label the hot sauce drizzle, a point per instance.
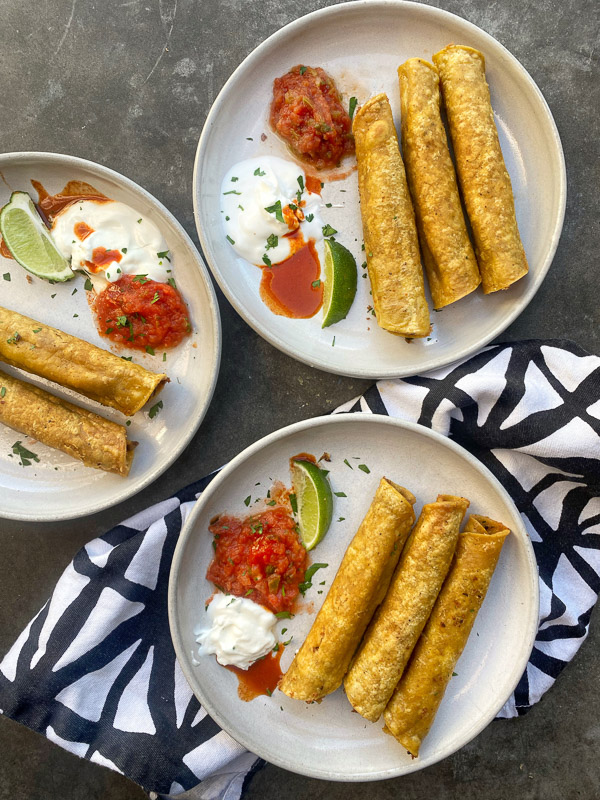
(261, 677)
(51, 204)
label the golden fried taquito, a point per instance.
(450, 262)
(390, 234)
(398, 622)
(484, 180)
(80, 433)
(78, 365)
(414, 704)
(359, 586)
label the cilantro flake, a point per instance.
(352, 106)
(24, 454)
(328, 230)
(259, 173)
(247, 500)
(364, 468)
(307, 583)
(155, 409)
(276, 209)
(6, 276)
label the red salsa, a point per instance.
(307, 112)
(141, 313)
(259, 557)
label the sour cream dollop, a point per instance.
(240, 631)
(250, 188)
(80, 229)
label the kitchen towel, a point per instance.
(95, 670)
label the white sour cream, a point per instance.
(240, 631)
(115, 226)
(252, 186)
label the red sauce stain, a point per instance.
(292, 288)
(4, 251)
(303, 457)
(51, 204)
(313, 184)
(101, 258)
(260, 678)
(82, 230)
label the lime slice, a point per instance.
(314, 499)
(29, 240)
(340, 282)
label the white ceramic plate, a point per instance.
(58, 487)
(361, 45)
(328, 740)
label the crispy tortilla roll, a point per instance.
(450, 262)
(80, 433)
(484, 181)
(390, 235)
(359, 586)
(95, 373)
(414, 704)
(398, 622)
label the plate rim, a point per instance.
(429, 363)
(187, 532)
(126, 493)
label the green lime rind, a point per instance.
(29, 242)
(315, 501)
(339, 289)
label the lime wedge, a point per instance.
(314, 499)
(340, 282)
(29, 240)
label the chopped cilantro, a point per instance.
(352, 106)
(124, 250)
(316, 284)
(266, 260)
(272, 241)
(340, 494)
(333, 343)
(126, 358)
(293, 502)
(310, 217)
(301, 182)
(88, 285)
(171, 282)
(307, 583)
(6, 276)
(284, 615)
(164, 254)
(150, 350)
(302, 70)
(155, 409)
(234, 178)
(348, 464)
(328, 205)
(139, 220)
(128, 423)
(121, 322)
(328, 230)
(232, 191)
(141, 279)
(155, 299)
(364, 468)
(276, 209)
(36, 330)
(164, 356)
(269, 691)
(14, 338)
(24, 454)
(3, 391)
(259, 173)
(247, 500)
(230, 240)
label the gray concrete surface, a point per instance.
(129, 84)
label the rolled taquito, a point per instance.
(450, 262)
(398, 622)
(78, 365)
(414, 704)
(484, 180)
(388, 220)
(358, 587)
(80, 433)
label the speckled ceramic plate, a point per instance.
(361, 45)
(327, 740)
(58, 487)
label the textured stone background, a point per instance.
(129, 84)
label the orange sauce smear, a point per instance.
(287, 288)
(51, 204)
(261, 678)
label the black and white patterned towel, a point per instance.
(95, 670)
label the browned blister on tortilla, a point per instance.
(75, 364)
(484, 180)
(359, 586)
(414, 704)
(390, 234)
(398, 622)
(80, 433)
(450, 262)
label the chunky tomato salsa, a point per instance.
(259, 557)
(142, 314)
(307, 112)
